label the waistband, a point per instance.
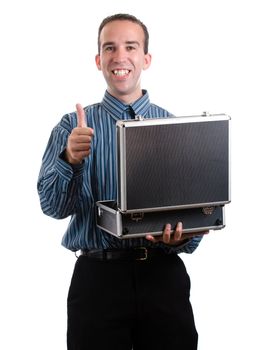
(138, 253)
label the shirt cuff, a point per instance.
(67, 170)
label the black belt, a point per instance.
(139, 253)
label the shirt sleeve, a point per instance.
(59, 184)
(188, 246)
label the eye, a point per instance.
(130, 48)
(109, 48)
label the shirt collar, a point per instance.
(116, 107)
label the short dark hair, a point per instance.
(124, 17)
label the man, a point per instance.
(120, 298)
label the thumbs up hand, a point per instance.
(79, 141)
(80, 116)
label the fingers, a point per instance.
(165, 237)
(167, 233)
(178, 231)
(174, 237)
(151, 238)
(168, 237)
(79, 141)
(81, 117)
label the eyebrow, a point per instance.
(128, 42)
(133, 42)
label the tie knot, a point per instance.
(128, 113)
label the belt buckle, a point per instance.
(145, 253)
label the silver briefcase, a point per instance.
(168, 167)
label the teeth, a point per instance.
(121, 72)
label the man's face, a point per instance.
(122, 59)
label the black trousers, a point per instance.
(122, 305)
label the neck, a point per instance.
(127, 98)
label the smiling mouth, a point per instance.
(120, 72)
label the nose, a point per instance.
(120, 54)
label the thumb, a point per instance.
(80, 115)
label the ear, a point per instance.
(147, 61)
(97, 61)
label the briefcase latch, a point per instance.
(139, 117)
(137, 216)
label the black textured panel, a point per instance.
(177, 164)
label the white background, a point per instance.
(203, 59)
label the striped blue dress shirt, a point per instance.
(66, 190)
